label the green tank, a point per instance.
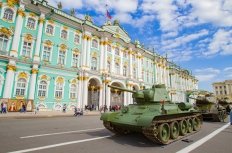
(207, 104)
(154, 115)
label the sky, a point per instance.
(195, 34)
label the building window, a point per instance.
(117, 68)
(142, 74)
(94, 63)
(76, 39)
(61, 59)
(75, 60)
(116, 51)
(31, 23)
(27, 47)
(3, 43)
(108, 48)
(46, 53)
(124, 54)
(42, 89)
(134, 72)
(8, 15)
(133, 57)
(124, 71)
(108, 66)
(147, 76)
(59, 90)
(94, 43)
(50, 29)
(21, 87)
(64, 34)
(73, 91)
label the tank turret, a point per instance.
(208, 105)
(154, 115)
(156, 94)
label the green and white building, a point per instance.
(54, 58)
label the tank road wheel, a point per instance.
(164, 133)
(190, 125)
(196, 124)
(183, 127)
(174, 130)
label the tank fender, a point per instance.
(144, 121)
(107, 116)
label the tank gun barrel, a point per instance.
(122, 89)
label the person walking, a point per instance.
(64, 108)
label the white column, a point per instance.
(113, 61)
(102, 55)
(121, 64)
(85, 90)
(9, 81)
(79, 102)
(105, 55)
(130, 64)
(108, 97)
(17, 32)
(38, 39)
(83, 52)
(88, 54)
(100, 97)
(139, 68)
(33, 83)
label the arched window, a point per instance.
(117, 68)
(124, 71)
(59, 90)
(64, 34)
(73, 91)
(27, 48)
(134, 73)
(75, 60)
(42, 89)
(108, 48)
(31, 23)
(61, 58)
(124, 54)
(116, 51)
(8, 14)
(50, 29)
(47, 53)
(94, 43)
(147, 76)
(77, 38)
(21, 87)
(108, 66)
(94, 63)
(3, 43)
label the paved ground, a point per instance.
(44, 114)
(86, 134)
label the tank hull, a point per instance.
(150, 119)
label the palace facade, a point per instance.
(49, 58)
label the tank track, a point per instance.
(152, 131)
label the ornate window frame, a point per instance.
(8, 41)
(53, 29)
(95, 42)
(35, 22)
(47, 43)
(62, 48)
(61, 82)
(75, 54)
(13, 9)
(28, 38)
(47, 79)
(94, 63)
(21, 75)
(62, 34)
(73, 82)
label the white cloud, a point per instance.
(218, 12)
(207, 74)
(67, 4)
(180, 41)
(165, 11)
(221, 43)
(228, 72)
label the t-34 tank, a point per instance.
(155, 116)
(209, 107)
